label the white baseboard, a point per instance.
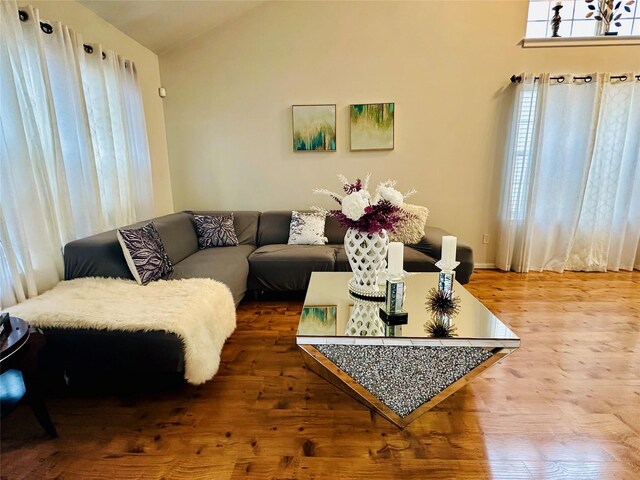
(483, 266)
(492, 266)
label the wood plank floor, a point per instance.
(566, 405)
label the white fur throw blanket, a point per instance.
(200, 311)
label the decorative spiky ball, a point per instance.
(440, 327)
(442, 303)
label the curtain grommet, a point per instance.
(46, 28)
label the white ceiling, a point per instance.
(160, 25)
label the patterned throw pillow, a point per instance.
(307, 229)
(215, 231)
(411, 229)
(144, 253)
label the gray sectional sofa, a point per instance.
(261, 262)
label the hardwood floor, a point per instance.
(566, 405)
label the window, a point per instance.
(74, 158)
(524, 130)
(571, 191)
(574, 21)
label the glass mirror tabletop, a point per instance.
(330, 315)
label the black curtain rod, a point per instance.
(560, 79)
(48, 29)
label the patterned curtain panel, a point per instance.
(571, 192)
(74, 158)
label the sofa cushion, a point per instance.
(178, 235)
(215, 231)
(411, 229)
(307, 228)
(334, 231)
(245, 223)
(414, 261)
(288, 267)
(144, 253)
(228, 265)
(274, 227)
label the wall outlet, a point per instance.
(485, 238)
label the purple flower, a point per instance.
(364, 214)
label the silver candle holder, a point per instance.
(395, 292)
(447, 275)
(392, 313)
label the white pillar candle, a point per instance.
(395, 257)
(449, 249)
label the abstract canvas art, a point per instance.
(314, 127)
(372, 126)
(318, 320)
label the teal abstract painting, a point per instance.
(314, 128)
(372, 126)
(318, 320)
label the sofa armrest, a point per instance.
(96, 256)
(431, 244)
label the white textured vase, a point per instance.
(367, 254)
(364, 320)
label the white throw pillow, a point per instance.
(411, 230)
(307, 229)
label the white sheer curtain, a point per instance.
(74, 158)
(571, 196)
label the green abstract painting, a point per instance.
(318, 320)
(314, 127)
(372, 126)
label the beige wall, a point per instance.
(96, 30)
(446, 66)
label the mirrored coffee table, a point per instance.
(398, 371)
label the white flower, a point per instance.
(354, 204)
(391, 195)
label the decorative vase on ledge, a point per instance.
(367, 253)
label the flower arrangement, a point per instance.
(362, 211)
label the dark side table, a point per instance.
(20, 352)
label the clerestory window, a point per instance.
(583, 18)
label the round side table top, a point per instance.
(17, 338)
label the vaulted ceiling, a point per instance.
(160, 25)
